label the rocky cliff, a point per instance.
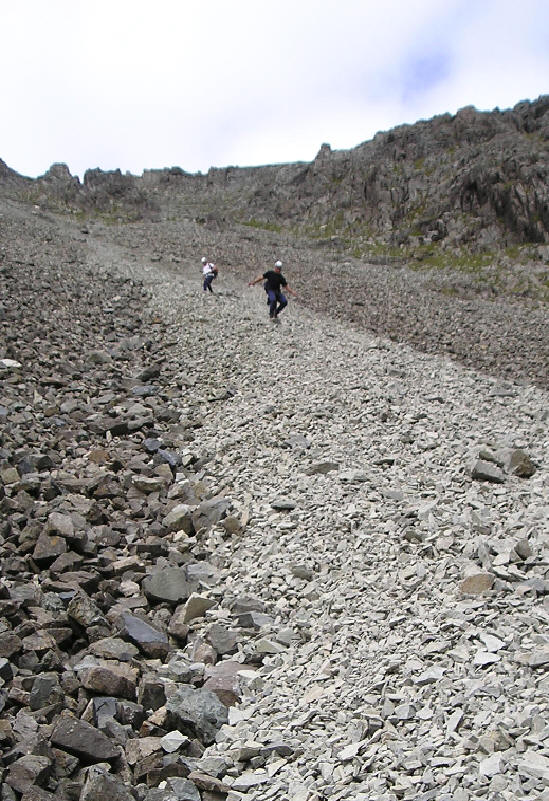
(475, 179)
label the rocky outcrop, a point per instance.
(115, 193)
(474, 179)
(108, 193)
(11, 182)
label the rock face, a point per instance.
(474, 179)
(259, 561)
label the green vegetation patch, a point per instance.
(263, 225)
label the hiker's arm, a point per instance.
(291, 291)
(256, 280)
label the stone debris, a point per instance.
(228, 575)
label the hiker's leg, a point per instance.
(272, 302)
(282, 303)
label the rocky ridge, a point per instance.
(249, 561)
(473, 181)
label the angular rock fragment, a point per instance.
(85, 612)
(180, 518)
(28, 771)
(110, 678)
(223, 680)
(48, 548)
(210, 512)
(170, 584)
(80, 738)
(196, 606)
(181, 790)
(149, 640)
(196, 713)
(100, 786)
(486, 471)
(520, 464)
(208, 783)
(477, 584)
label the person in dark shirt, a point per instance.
(273, 283)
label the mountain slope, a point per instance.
(475, 179)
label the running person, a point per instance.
(274, 281)
(209, 271)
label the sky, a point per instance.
(141, 85)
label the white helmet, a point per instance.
(204, 259)
(278, 264)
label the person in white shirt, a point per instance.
(209, 271)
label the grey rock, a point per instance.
(321, 468)
(223, 639)
(209, 784)
(173, 741)
(104, 709)
(149, 640)
(180, 518)
(48, 548)
(283, 505)
(177, 627)
(6, 670)
(485, 471)
(196, 606)
(148, 484)
(130, 714)
(45, 691)
(100, 785)
(196, 712)
(184, 789)
(85, 612)
(152, 692)
(36, 793)
(254, 620)
(61, 524)
(170, 584)
(166, 794)
(302, 571)
(519, 464)
(114, 648)
(80, 738)
(110, 678)
(247, 603)
(210, 512)
(10, 644)
(297, 441)
(27, 771)
(249, 781)
(222, 679)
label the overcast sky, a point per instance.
(138, 85)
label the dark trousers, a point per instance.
(276, 301)
(208, 282)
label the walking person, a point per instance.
(274, 281)
(209, 271)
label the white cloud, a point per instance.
(178, 82)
